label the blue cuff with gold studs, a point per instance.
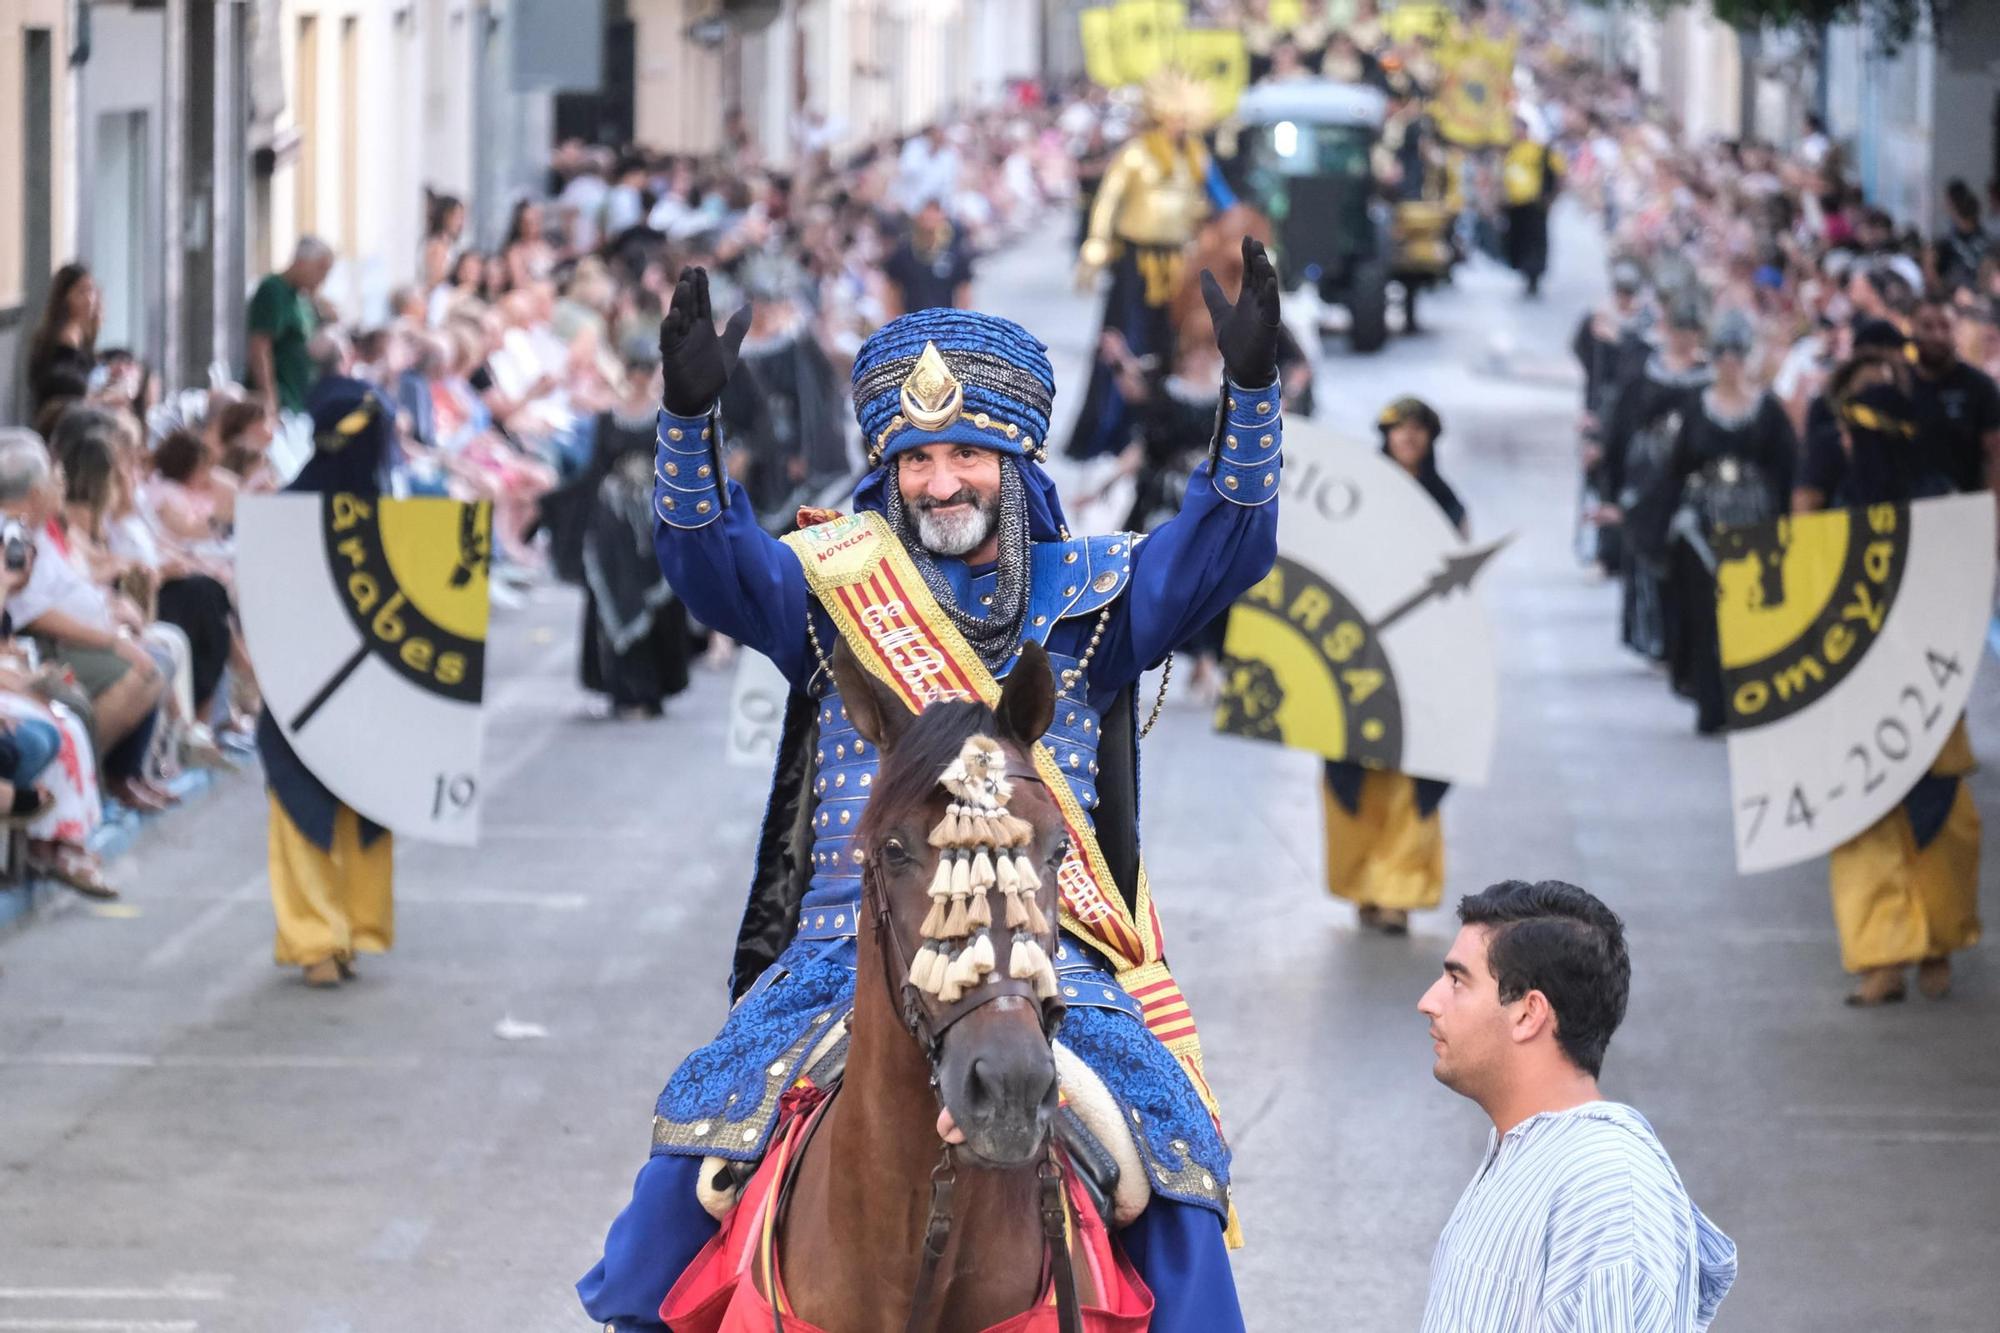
(687, 471)
(1249, 446)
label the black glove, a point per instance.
(1247, 332)
(695, 360)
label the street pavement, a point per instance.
(190, 1140)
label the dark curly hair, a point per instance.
(1556, 938)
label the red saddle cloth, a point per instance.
(719, 1291)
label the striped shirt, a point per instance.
(1577, 1222)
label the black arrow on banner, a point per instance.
(1458, 572)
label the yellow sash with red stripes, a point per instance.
(867, 582)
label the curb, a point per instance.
(24, 901)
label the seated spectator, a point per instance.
(27, 744)
(185, 495)
(408, 307)
(70, 807)
(487, 463)
(50, 412)
(109, 533)
(466, 282)
(89, 447)
(526, 256)
(80, 626)
(239, 433)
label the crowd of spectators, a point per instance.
(121, 662)
(522, 374)
(1756, 297)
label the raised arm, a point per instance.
(1226, 536)
(732, 575)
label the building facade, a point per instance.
(181, 147)
(1920, 116)
(873, 69)
(37, 185)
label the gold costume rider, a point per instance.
(1157, 192)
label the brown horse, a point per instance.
(863, 1198)
(1218, 248)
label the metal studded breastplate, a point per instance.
(1071, 579)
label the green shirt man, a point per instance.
(282, 321)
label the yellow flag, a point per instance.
(1217, 58)
(1100, 49)
(1474, 105)
(1418, 20)
(1143, 33)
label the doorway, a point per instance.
(123, 169)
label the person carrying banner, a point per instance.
(1905, 890)
(332, 871)
(956, 556)
(1530, 175)
(1384, 836)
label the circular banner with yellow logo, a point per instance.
(1849, 639)
(1363, 643)
(366, 621)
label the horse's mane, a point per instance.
(931, 742)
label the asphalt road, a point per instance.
(191, 1140)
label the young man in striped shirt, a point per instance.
(1577, 1221)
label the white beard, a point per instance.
(956, 534)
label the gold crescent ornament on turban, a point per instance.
(931, 395)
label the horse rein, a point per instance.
(928, 1021)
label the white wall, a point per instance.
(118, 235)
(16, 15)
(1968, 84)
(1691, 63)
(415, 116)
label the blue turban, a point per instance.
(999, 393)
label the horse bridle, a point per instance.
(928, 1020)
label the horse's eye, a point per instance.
(894, 853)
(1058, 852)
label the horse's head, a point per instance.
(961, 844)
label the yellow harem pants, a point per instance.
(330, 904)
(1895, 903)
(1385, 854)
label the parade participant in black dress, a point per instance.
(1644, 424)
(1731, 466)
(635, 631)
(784, 402)
(1612, 347)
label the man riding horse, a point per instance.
(955, 559)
